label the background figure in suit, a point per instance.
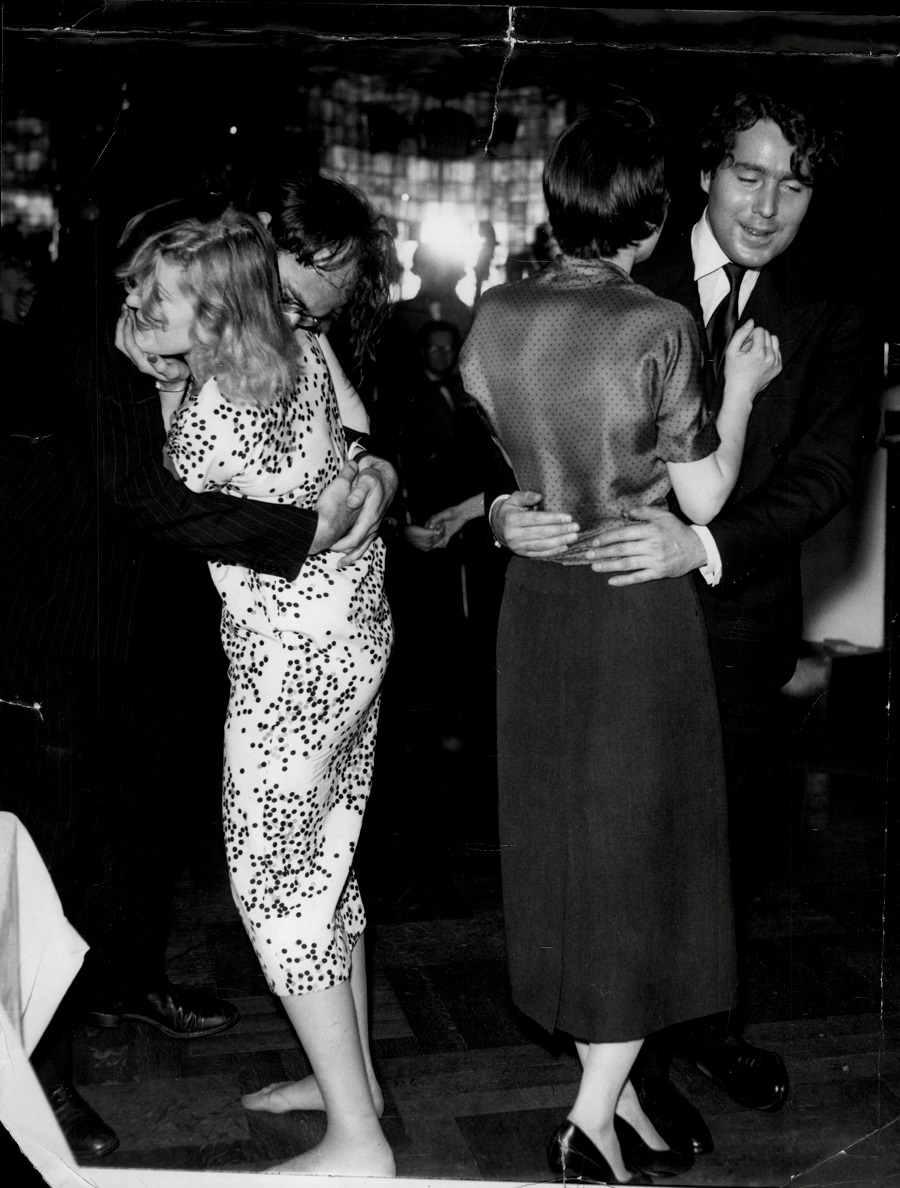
(440, 442)
(88, 739)
(443, 582)
(439, 273)
(761, 159)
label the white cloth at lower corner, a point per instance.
(40, 951)
(40, 954)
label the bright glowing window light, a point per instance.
(446, 232)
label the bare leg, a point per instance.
(629, 1107)
(354, 1144)
(284, 1096)
(360, 990)
(604, 1071)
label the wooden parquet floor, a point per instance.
(473, 1089)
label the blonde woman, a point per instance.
(260, 420)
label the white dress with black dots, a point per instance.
(306, 661)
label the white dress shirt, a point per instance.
(709, 271)
(712, 288)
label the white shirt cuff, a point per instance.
(712, 570)
(499, 499)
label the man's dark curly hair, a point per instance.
(816, 149)
(312, 213)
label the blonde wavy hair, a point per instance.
(230, 274)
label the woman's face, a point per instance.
(174, 316)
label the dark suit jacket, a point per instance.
(804, 440)
(440, 453)
(90, 511)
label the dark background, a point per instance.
(189, 70)
(136, 98)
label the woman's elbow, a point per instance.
(700, 511)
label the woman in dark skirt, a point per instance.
(612, 802)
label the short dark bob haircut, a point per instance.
(816, 148)
(604, 181)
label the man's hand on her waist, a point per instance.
(528, 532)
(654, 544)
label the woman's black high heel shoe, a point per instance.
(639, 1157)
(576, 1158)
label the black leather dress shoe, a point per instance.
(752, 1077)
(573, 1156)
(678, 1122)
(175, 1010)
(643, 1159)
(86, 1132)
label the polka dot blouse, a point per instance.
(591, 384)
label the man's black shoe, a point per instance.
(175, 1010)
(753, 1077)
(646, 1160)
(86, 1132)
(678, 1122)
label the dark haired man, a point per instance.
(328, 234)
(762, 159)
(335, 255)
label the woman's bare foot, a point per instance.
(345, 1155)
(629, 1107)
(284, 1096)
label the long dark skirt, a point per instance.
(613, 819)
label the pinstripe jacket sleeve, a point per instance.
(147, 498)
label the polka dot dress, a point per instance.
(306, 660)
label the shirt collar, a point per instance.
(589, 265)
(707, 254)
